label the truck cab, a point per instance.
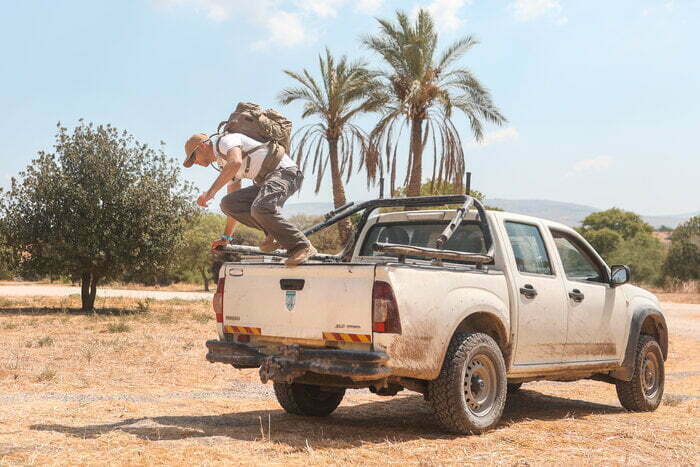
(460, 303)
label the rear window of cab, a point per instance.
(467, 238)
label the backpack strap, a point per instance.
(275, 153)
(271, 162)
(246, 156)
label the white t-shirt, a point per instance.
(246, 143)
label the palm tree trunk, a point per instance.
(416, 168)
(339, 199)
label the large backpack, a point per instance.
(269, 127)
(262, 125)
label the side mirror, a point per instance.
(620, 274)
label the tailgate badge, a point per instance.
(290, 299)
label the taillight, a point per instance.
(218, 300)
(385, 311)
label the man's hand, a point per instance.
(203, 200)
(218, 242)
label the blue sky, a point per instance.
(602, 98)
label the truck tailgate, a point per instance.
(299, 303)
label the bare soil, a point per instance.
(129, 385)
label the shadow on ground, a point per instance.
(397, 419)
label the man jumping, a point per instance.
(257, 206)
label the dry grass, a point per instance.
(147, 396)
(681, 292)
(176, 287)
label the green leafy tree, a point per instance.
(344, 91)
(604, 240)
(196, 258)
(327, 240)
(644, 254)
(683, 259)
(423, 89)
(625, 223)
(195, 252)
(5, 272)
(100, 205)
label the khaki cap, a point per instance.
(190, 147)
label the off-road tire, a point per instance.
(633, 394)
(306, 399)
(446, 394)
(514, 387)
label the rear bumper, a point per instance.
(294, 361)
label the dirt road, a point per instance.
(135, 389)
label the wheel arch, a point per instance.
(489, 322)
(645, 320)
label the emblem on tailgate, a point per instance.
(290, 299)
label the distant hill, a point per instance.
(572, 214)
(566, 213)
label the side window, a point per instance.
(528, 247)
(579, 265)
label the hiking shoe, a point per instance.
(269, 244)
(301, 255)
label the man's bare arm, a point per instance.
(234, 158)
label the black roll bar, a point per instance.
(368, 207)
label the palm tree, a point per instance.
(346, 90)
(423, 92)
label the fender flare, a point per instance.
(639, 316)
(492, 313)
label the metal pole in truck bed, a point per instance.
(253, 250)
(368, 207)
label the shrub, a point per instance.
(644, 254)
(45, 341)
(118, 327)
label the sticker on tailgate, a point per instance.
(290, 299)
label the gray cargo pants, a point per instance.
(258, 206)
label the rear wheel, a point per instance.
(307, 399)
(470, 393)
(644, 391)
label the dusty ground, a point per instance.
(33, 289)
(174, 287)
(134, 388)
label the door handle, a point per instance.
(576, 295)
(528, 290)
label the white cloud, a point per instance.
(330, 8)
(369, 7)
(530, 10)
(446, 13)
(498, 136)
(284, 23)
(322, 8)
(284, 28)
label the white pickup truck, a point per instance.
(462, 305)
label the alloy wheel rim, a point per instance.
(480, 385)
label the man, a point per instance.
(258, 205)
